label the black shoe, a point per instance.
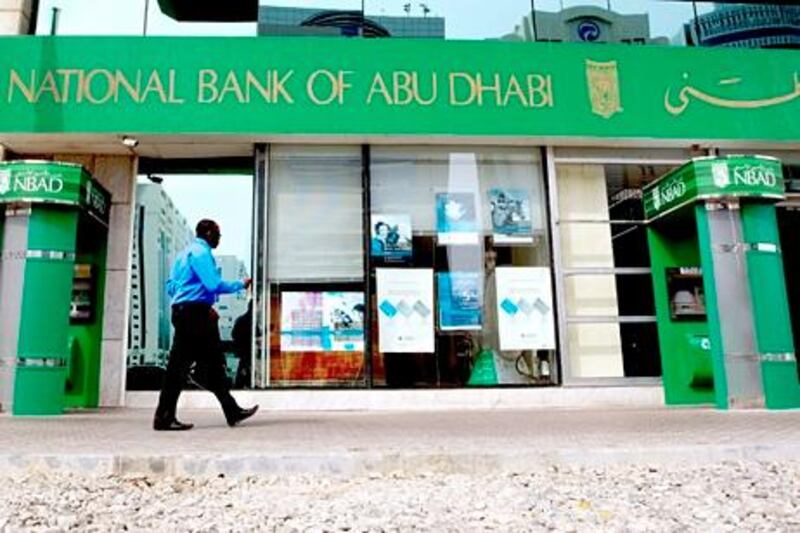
(241, 414)
(171, 424)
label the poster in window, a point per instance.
(460, 300)
(301, 321)
(322, 321)
(405, 310)
(525, 308)
(511, 216)
(456, 218)
(343, 327)
(391, 237)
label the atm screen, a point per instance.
(685, 290)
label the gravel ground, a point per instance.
(723, 497)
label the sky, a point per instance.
(226, 198)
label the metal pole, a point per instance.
(34, 17)
(146, 10)
(696, 24)
(533, 20)
(54, 21)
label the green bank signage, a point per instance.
(704, 178)
(52, 182)
(327, 86)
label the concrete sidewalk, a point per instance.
(122, 441)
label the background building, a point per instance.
(230, 306)
(585, 24)
(293, 21)
(160, 233)
(748, 26)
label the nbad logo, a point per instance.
(755, 175)
(670, 192)
(722, 178)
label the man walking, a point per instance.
(194, 286)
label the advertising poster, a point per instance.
(322, 322)
(343, 325)
(391, 237)
(405, 310)
(511, 216)
(525, 308)
(456, 218)
(301, 322)
(460, 300)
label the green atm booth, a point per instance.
(723, 316)
(53, 237)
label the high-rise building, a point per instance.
(160, 233)
(746, 26)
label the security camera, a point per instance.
(130, 142)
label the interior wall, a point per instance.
(595, 350)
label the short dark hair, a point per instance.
(204, 227)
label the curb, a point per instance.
(388, 463)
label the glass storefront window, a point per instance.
(610, 312)
(460, 262)
(316, 267)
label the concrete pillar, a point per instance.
(15, 17)
(118, 175)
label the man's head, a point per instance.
(208, 230)
(382, 229)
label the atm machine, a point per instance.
(723, 317)
(53, 238)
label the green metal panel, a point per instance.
(48, 283)
(41, 352)
(417, 87)
(39, 390)
(771, 307)
(714, 177)
(53, 183)
(684, 362)
(83, 379)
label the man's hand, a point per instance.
(247, 283)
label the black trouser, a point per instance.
(196, 340)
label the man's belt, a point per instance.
(186, 306)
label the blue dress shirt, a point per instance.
(195, 277)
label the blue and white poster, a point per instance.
(525, 308)
(405, 310)
(456, 218)
(322, 322)
(511, 216)
(391, 237)
(460, 300)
